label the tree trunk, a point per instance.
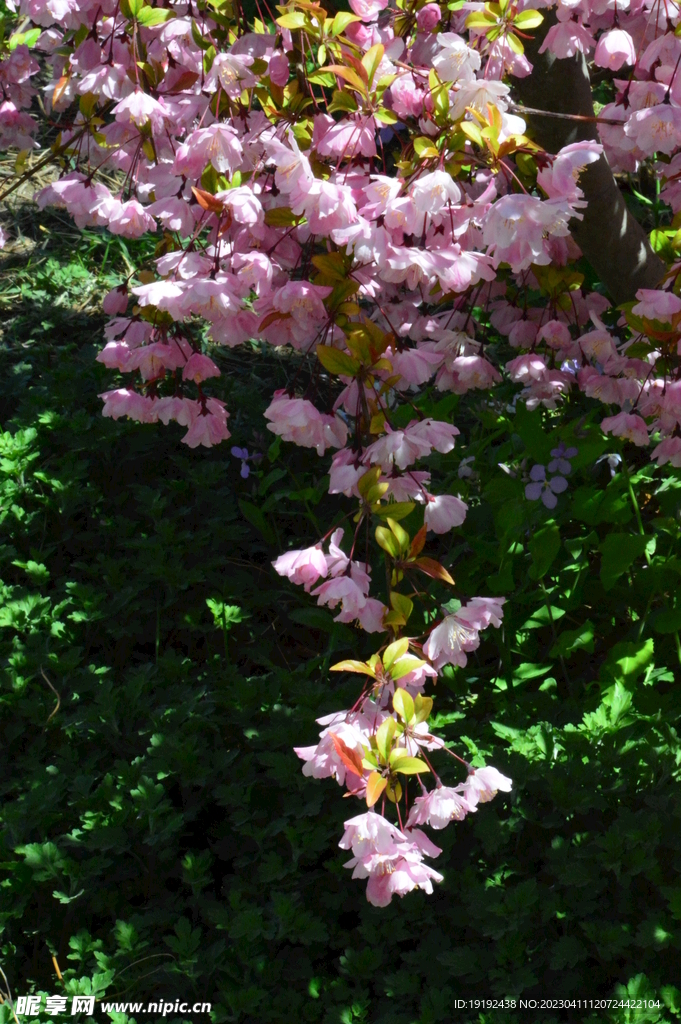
(610, 237)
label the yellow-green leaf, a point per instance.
(353, 666)
(408, 765)
(376, 783)
(335, 361)
(403, 704)
(405, 665)
(384, 737)
(395, 650)
(371, 60)
(422, 707)
(296, 19)
(386, 540)
(396, 509)
(341, 22)
(528, 19)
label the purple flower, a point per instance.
(242, 453)
(560, 462)
(543, 488)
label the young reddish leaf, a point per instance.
(418, 542)
(350, 76)
(272, 318)
(433, 569)
(206, 201)
(350, 758)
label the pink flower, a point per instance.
(458, 634)
(130, 219)
(668, 450)
(199, 367)
(367, 9)
(443, 512)
(628, 425)
(614, 49)
(465, 372)
(209, 427)
(526, 368)
(305, 304)
(323, 761)
(428, 17)
(395, 876)
(139, 108)
(125, 402)
(440, 806)
(343, 590)
(304, 566)
(370, 833)
(391, 860)
(449, 642)
(217, 145)
(483, 784)
(655, 129)
(431, 193)
(297, 420)
(116, 301)
(481, 612)
(559, 180)
(654, 304)
(555, 333)
(349, 138)
(279, 69)
(370, 617)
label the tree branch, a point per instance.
(610, 237)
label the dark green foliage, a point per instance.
(158, 836)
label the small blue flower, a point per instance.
(561, 456)
(543, 488)
(242, 453)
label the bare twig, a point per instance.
(517, 109)
(56, 709)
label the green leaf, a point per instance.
(668, 620)
(386, 539)
(294, 20)
(403, 704)
(341, 22)
(400, 761)
(150, 16)
(626, 661)
(527, 20)
(335, 361)
(395, 650)
(544, 546)
(384, 737)
(256, 518)
(572, 640)
(395, 509)
(405, 665)
(619, 551)
(28, 39)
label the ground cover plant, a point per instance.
(351, 231)
(158, 837)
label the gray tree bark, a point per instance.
(611, 239)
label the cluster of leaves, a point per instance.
(158, 838)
